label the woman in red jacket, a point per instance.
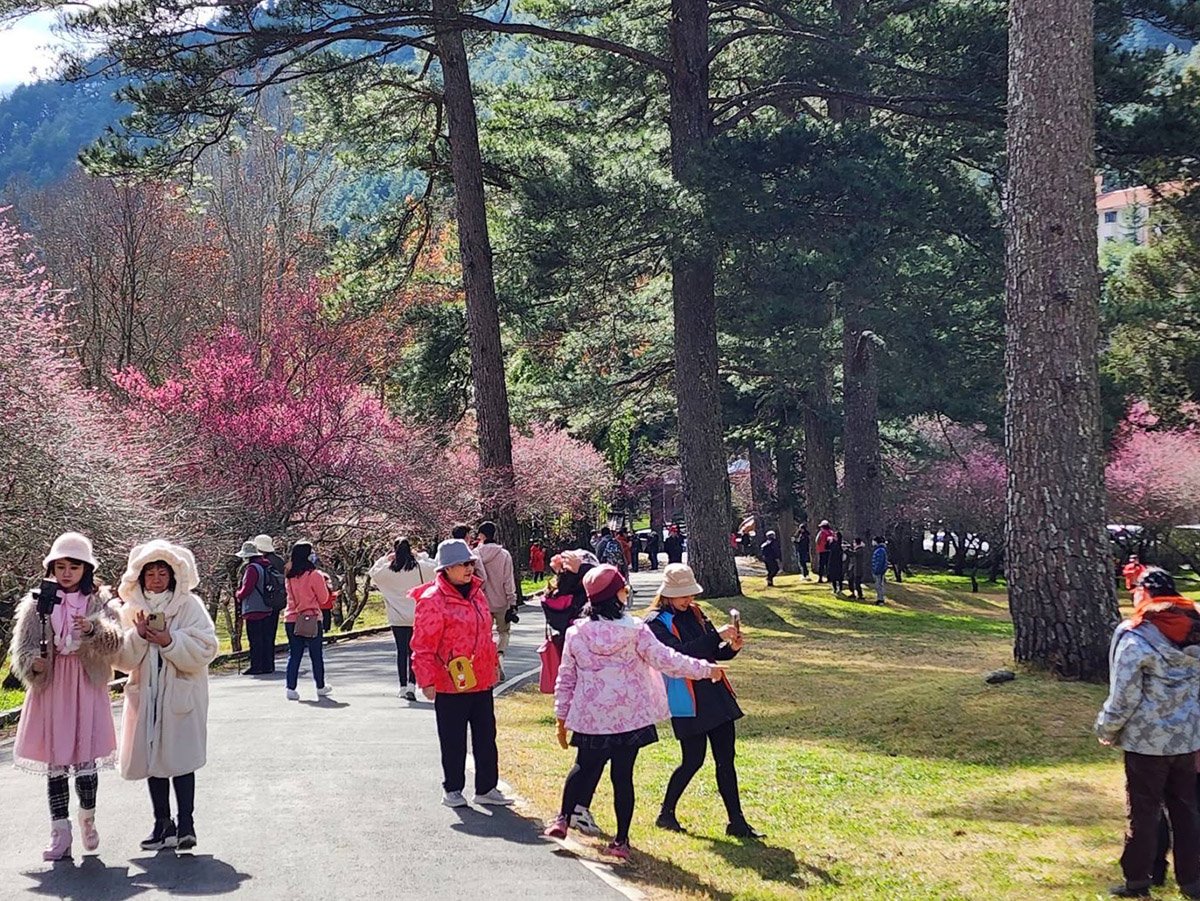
(455, 661)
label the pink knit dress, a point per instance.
(67, 724)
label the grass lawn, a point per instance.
(877, 760)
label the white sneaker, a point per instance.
(325, 692)
(454, 799)
(581, 821)
(293, 695)
(494, 798)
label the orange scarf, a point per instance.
(1176, 617)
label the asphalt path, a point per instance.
(332, 799)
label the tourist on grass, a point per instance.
(306, 592)
(835, 566)
(772, 557)
(455, 661)
(64, 658)
(500, 586)
(702, 712)
(396, 574)
(803, 544)
(825, 534)
(1153, 714)
(169, 641)
(857, 564)
(879, 567)
(537, 561)
(609, 696)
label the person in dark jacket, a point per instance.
(702, 713)
(837, 566)
(652, 548)
(674, 545)
(857, 564)
(803, 543)
(256, 614)
(772, 557)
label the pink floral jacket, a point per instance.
(609, 682)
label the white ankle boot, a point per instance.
(87, 828)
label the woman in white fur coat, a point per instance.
(169, 641)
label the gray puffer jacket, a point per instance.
(1153, 704)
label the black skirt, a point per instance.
(636, 738)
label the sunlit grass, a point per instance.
(877, 760)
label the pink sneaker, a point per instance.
(557, 829)
(619, 850)
(60, 841)
(87, 825)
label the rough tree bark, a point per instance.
(860, 399)
(760, 493)
(1061, 592)
(820, 470)
(785, 501)
(693, 276)
(479, 285)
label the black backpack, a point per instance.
(273, 593)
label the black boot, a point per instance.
(187, 834)
(1127, 891)
(666, 820)
(743, 830)
(163, 836)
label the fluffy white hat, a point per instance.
(72, 545)
(179, 558)
(264, 543)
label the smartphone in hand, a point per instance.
(157, 621)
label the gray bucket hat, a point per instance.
(451, 553)
(249, 549)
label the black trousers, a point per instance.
(585, 776)
(261, 636)
(403, 636)
(802, 563)
(1150, 784)
(772, 571)
(326, 620)
(856, 585)
(1164, 839)
(723, 741)
(822, 565)
(185, 796)
(454, 712)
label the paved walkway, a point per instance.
(330, 800)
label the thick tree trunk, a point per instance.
(785, 502)
(820, 469)
(760, 494)
(860, 400)
(474, 244)
(693, 275)
(1060, 587)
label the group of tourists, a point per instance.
(1153, 714)
(68, 638)
(844, 566)
(451, 617)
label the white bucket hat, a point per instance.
(72, 545)
(679, 582)
(264, 543)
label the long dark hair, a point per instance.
(301, 561)
(87, 584)
(403, 559)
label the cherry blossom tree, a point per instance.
(65, 461)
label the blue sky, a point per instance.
(26, 48)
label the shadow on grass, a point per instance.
(1067, 802)
(773, 864)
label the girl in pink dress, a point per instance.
(65, 660)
